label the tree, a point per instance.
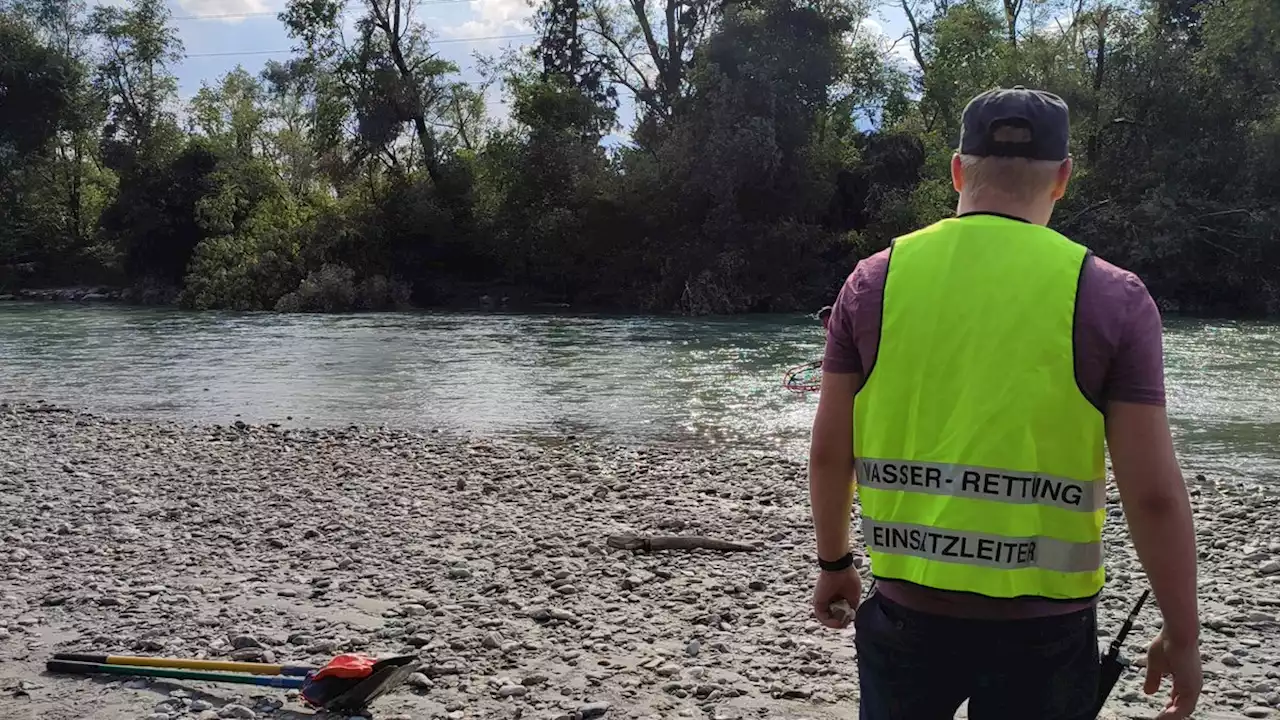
(134, 75)
(232, 114)
(648, 49)
(37, 87)
(775, 143)
(388, 73)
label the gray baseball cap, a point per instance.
(1016, 122)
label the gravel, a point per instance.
(486, 558)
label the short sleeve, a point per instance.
(841, 354)
(854, 331)
(1136, 373)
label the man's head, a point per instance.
(825, 316)
(1013, 154)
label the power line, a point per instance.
(274, 14)
(289, 50)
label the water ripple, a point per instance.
(624, 379)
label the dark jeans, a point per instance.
(916, 666)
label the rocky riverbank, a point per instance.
(141, 295)
(488, 559)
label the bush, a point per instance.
(379, 293)
(237, 273)
(329, 289)
(333, 288)
(219, 275)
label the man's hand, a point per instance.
(1183, 663)
(834, 587)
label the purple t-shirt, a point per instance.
(1119, 356)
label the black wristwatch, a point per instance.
(843, 563)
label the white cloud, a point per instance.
(895, 47)
(231, 11)
(493, 17)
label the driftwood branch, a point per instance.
(676, 542)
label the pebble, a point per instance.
(1257, 712)
(1230, 660)
(495, 581)
(1270, 567)
(236, 711)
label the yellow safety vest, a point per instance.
(979, 460)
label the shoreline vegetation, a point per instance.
(477, 299)
(679, 156)
(492, 560)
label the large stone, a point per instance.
(245, 641)
(235, 711)
(594, 710)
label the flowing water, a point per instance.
(624, 379)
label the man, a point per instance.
(973, 370)
(824, 315)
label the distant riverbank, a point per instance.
(487, 558)
(68, 294)
(451, 297)
(482, 297)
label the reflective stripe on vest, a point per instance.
(977, 482)
(980, 463)
(971, 548)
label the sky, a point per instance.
(218, 35)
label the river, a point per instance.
(623, 379)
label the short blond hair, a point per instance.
(1014, 178)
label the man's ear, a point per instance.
(1064, 177)
(957, 172)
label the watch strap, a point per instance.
(843, 563)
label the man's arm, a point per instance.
(831, 463)
(1158, 510)
(1155, 499)
(831, 496)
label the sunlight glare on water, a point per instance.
(622, 379)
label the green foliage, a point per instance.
(37, 86)
(332, 288)
(775, 143)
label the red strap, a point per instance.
(347, 666)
